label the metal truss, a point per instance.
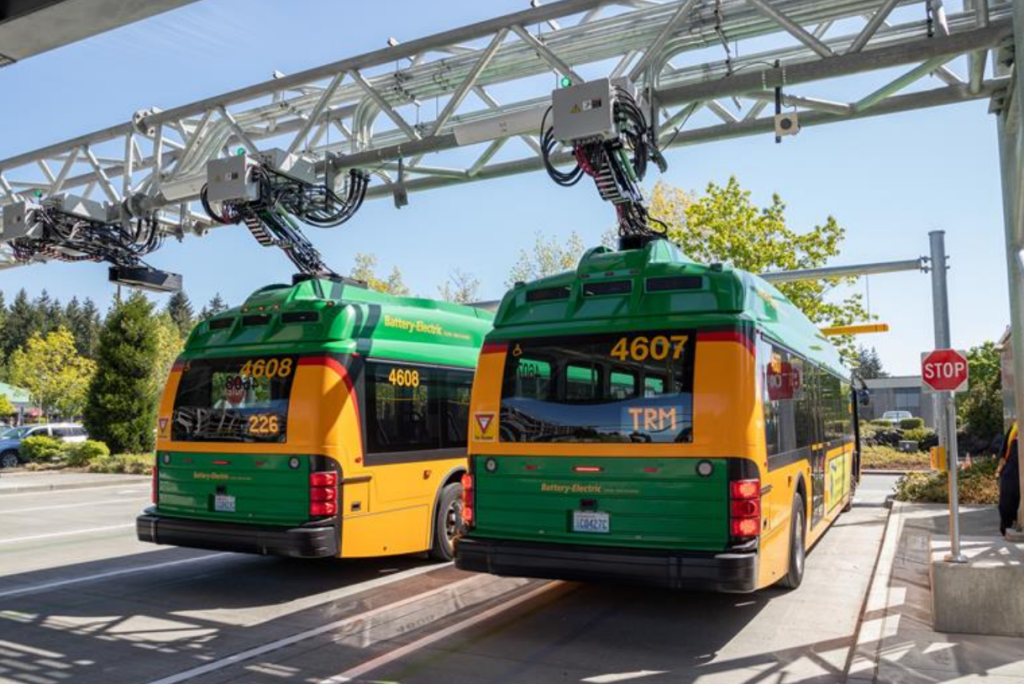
(386, 110)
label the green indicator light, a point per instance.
(240, 151)
(566, 81)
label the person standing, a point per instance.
(1008, 473)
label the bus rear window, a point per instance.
(240, 399)
(626, 388)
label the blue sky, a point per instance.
(888, 181)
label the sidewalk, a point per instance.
(896, 643)
(22, 482)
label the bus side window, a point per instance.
(623, 386)
(654, 386)
(582, 383)
(457, 389)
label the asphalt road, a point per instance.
(81, 601)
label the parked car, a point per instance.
(10, 439)
(894, 417)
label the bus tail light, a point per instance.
(468, 500)
(745, 508)
(323, 494)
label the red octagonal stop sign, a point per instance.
(944, 370)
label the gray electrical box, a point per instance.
(292, 165)
(231, 180)
(18, 221)
(584, 112)
(79, 207)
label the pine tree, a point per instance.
(869, 364)
(23, 321)
(215, 307)
(122, 399)
(83, 320)
(179, 308)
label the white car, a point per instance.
(894, 417)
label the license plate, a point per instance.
(591, 522)
(222, 503)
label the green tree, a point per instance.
(169, 346)
(724, 225)
(980, 409)
(215, 307)
(461, 287)
(179, 308)
(85, 323)
(23, 321)
(548, 257)
(6, 407)
(122, 398)
(53, 372)
(50, 312)
(869, 364)
(365, 269)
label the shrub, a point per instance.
(79, 454)
(912, 424)
(131, 464)
(918, 434)
(977, 485)
(884, 424)
(887, 458)
(40, 448)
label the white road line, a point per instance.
(68, 490)
(380, 661)
(39, 588)
(322, 629)
(75, 505)
(69, 533)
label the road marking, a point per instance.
(67, 534)
(251, 653)
(380, 661)
(66, 490)
(75, 505)
(38, 588)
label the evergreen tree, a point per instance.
(83, 320)
(122, 398)
(869, 364)
(51, 313)
(23, 321)
(179, 308)
(215, 307)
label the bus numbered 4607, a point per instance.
(648, 419)
(318, 419)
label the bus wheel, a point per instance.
(849, 502)
(797, 548)
(447, 523)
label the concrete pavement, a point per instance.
(90, 604)
(23, 482)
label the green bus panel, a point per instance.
(261, 488)
(652, 503)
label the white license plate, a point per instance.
(222, 503)
(591, 522)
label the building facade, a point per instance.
(899, 393)
(22, 401)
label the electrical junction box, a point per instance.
(231, 180)
(79, 207)
(584, 112)
(298, 167)
(18, 221)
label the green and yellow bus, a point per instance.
(318, 419)
(645, 418)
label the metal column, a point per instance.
(945, 402)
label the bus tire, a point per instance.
(447, 523)
(849, 500)
(797, 545)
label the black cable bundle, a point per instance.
(121, 245)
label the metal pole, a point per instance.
(945, 407)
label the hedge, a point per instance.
(912, 424)
(40, 449)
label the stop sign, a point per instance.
(944, 370)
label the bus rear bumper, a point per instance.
(295, 542)
(725, 572)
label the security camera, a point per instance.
(787, 124)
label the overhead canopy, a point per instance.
(29, 27)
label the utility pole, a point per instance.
(945, 402)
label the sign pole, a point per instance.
(953, 466)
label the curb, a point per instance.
(865, 471)
(871, 635)
(58, 486)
